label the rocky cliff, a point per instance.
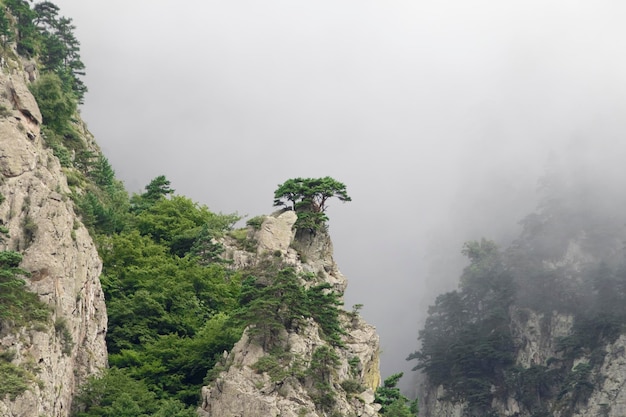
(561, 348)
(58, 253)
(537, 335)
(246, 389)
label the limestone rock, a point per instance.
(241, 391)
(276, 232)
(61, 256)
(610, 398)
(21, 99)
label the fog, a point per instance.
(439, 116)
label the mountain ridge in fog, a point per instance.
(536, 327)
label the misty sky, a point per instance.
(439, 116)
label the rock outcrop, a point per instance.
(241, 390)
(537, 335)
(60, 256)
(555, 373)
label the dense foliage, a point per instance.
(175, 306)
(308, 198)
(117, 395)
(279, 302)
(393, 403)
(169, 314)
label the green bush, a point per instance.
(18, 306)
(323, 305)
(57, 106)
(273, 366)
(29, 227)
(393, 403)
(67, 343)
(115, 394)
(323, 396)
(352, 386)
(355, 366)
(5, 111)
(55, 142)
(255, 222)
(13, 380)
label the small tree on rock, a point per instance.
(308, 198)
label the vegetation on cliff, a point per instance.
(308, 198)
(393, 403)
(568, 260)
(18, 308)
(174, 305)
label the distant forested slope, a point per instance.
(567, 262)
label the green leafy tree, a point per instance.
(324, 362)
(204, 248)
(176, 365)
(26, 30)
(115, 394)
(46, 14)
(323, 305)
(308, 197)
(271, 307)
(156, 190)
(179, 223)
(60, 50)
(104, 211)
(6, 31)
(393, 403)
(18, 305)
(102, 172)
(72, 67)
(57, 106)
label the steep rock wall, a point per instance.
(57, 251)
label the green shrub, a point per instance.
(355, 366)
(13, 380)
(323, 306)
(393, 403)
(4, 111)
(323, 396)
(67, 343)
(352, 386)
(57, 106)
(74, 178)
(29, 227)
(271, 364)
(255, 222)
(55, 142)
(18, 306)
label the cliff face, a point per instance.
(59, 254)
(537, 334)
(555, 372)
(244, 390)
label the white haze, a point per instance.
(439, 116)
